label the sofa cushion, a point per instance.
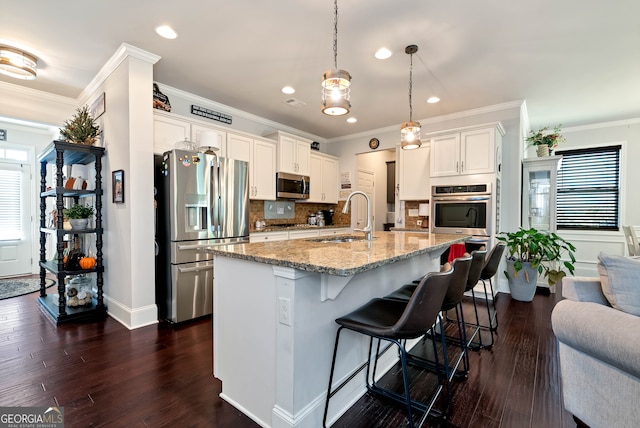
(620, 277)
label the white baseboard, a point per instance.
(130, 317)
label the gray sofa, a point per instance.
(599, 350)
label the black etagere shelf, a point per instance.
(62, 153)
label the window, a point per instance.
(10, 205)
(589, 189)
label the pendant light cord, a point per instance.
(410, 88)
(335, 35)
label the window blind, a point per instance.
(588, 190)
(10, 208)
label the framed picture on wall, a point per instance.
(117, 186)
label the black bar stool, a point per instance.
(488, 272)
(477, 265)
(395, 321)
(453, 300)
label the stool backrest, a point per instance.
(493, 261)
(424, 305)
(458, 283)
(477, 264)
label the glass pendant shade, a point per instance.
(16, 63)
(336, 92)
(410, 135)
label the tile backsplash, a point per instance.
(301, 212)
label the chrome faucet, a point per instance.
(368, 230)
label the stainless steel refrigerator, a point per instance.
(202, 201)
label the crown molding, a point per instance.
(123, 52)
(34, 93)
(601, 125)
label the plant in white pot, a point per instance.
(78, 215)
(532, 252)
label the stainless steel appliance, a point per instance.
(463, 209)
(203, 201)
(292, 186)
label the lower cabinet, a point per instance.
(295, 234)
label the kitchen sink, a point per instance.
(337, 239)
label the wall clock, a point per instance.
(374, 143)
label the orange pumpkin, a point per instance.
(87, 262)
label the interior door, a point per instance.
(15, 219)
(366, 184)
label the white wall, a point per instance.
(376, 163)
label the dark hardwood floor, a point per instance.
(156, 376)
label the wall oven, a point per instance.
(465, 210)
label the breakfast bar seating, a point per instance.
(396, 321)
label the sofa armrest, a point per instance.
(602, 332)
(583, 289)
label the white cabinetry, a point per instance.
(413, 174)
(323, 174)
(331, 232)
(472, 151)
(293, 153)
(268, 236)
(168, 130)
(296, 234)
(261, 155)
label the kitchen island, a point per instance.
(273, 314)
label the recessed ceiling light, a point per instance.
(383, 53)
(288, 90)
(166, 32)
(433, 100)
(352, 120)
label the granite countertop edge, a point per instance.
(330, 270)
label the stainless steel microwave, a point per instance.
(292, 186)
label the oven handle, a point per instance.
(461, 198)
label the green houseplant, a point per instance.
(81, 129)
(544, 140)
(78, 215)
(534, 252)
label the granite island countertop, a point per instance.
(340, 259)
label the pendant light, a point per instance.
(336, 83)
(17, 63)
(410, 131)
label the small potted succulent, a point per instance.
(78, 215)
(544, 140)
(81, 129)
(534, 252)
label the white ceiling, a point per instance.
(573, 61)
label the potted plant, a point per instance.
(81, 129)
(534, 252)
(545, 140)
(78, 215)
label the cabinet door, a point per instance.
(239, 147)
(414, 174)
(477, 154)
(315, 176)
(303, 151)
(263, 170)
(330, 180)
(167, 132)
(197, 129)
(302, 234)
(445, 155)
(287, 154)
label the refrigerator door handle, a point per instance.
(195, 247)
(195, 269)
(214, 205)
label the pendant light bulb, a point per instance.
(410, 131)
(336, 83)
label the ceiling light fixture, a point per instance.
(382, 53)
(336, 83)
(433, 100)
(352, 120)
(410, 131)
(166, 32)
(17, 63)
(288, 90)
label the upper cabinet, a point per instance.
(293, 153)
(323, 175)
(261, 155)
(168, 130)
(473, 151)
(413, 174)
